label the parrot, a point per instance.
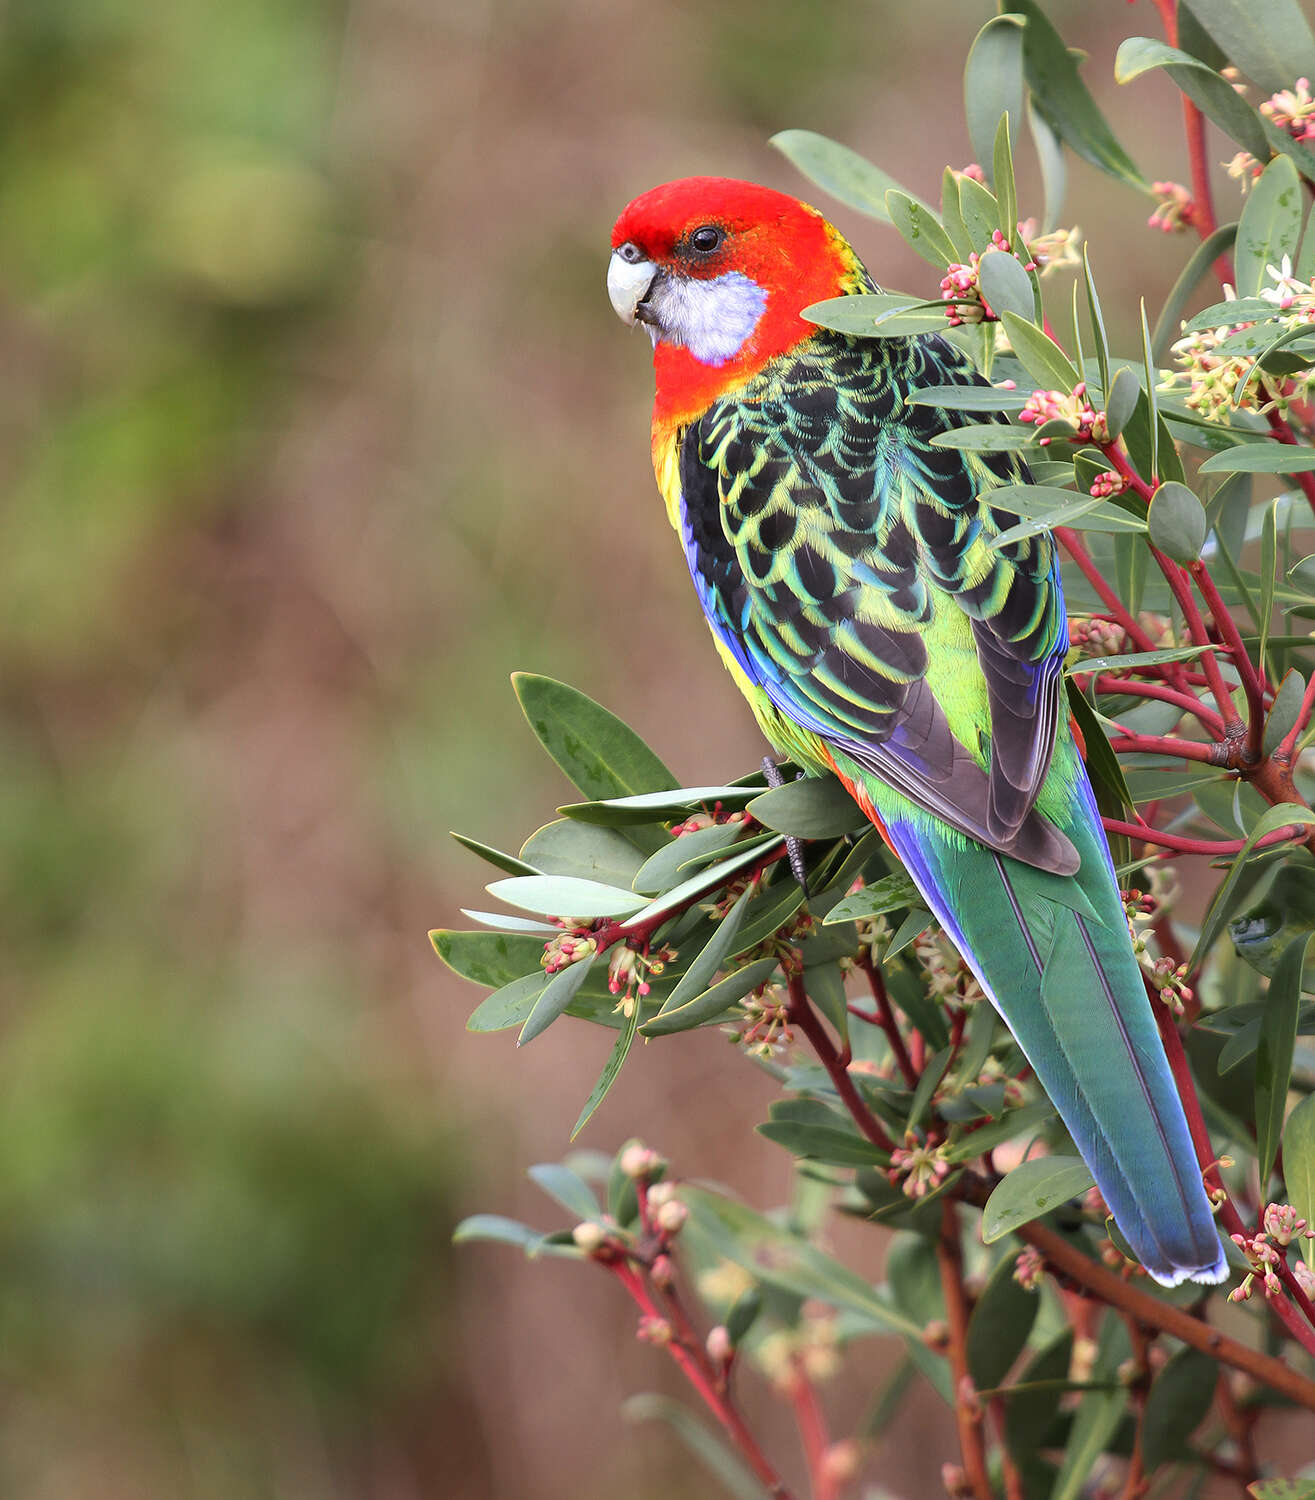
(843, 564)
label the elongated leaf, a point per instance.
(1031, 1412)
(1014, 1122)
(663, 869)
(1177, 522)
(1273, 48)
(839, 1148)
(1282, 1489)
(1278, 1036)
(505, 922)
(600, 754)
(1060, 94)
(993, 86)
(708, 1447)
(495, 1227)
(988, 437)
(891, 893)
(779, 1258)
(850, 178)
(999, 1327)
(1042, 358)
(488, 958)
(585, 851)
(1054, 169)
(1299, 1167)
(566, 1187)
(712, 1002)
(1239, 310)
(557, 994)
(565, 896)
(1006, 188)
(981, 213)
(1152, 406)
(1261, 458)
(1005, 284)
(1221, 908)
(655, 807)
(1141, 658)
(710, 879)
(1094, 1424)
(1030, 1190)
(1283, 715)
(1213, 95)
(1270, 225)
(703, 968)
(967, 398)
(611, 1070)
(510, 1005)
(495, 857)
(1097, 321)
(921, 230)
(1078, 515)
(1178, 1402)
(878, 315)
(1268, 577)
(816, 807)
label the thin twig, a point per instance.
(967, 1407)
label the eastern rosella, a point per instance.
(842, 563)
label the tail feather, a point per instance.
(1053, 955)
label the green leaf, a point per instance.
(1239, 310)
(565, 896)
(1278, 1036)
(1221, 906)
(1097, 322)
(816, 807)
(779, 1258)
(1094, 1424)
(657, 807)
(890, 893)
(502, 921)
(712, 1002)
(495, 857)
(1213, 95)
(1148, 393)
(1282, 1489)
(1140, 658)
(999, 1327)
(1079, 514)
(1299, 1166)
(1177, 1404)
(1270, 225)
(824, 1143)
(494, 1227)
(601, 755)
(1171, 314)
(565, 1187)
(992, 87)
(584, 851)
(1121, 401)
(1060, 95)
(988, 437)
(1030, 1190)
(981, 213)
(1004, 185)
(1030, 1412)
(1273, 47)
(557, 994)
(1261, 458)
(663, 869)
(615, 1061)
(1177, 522)
(921, 230)
(1041, 357)
(704, 966)
(510, 1005)
(967, 398)
(705, 1445)
(1012, 1123)
(1006, 285)
(1268, 577)
(952, 215)
(710, 879)
(488, 958)
(1054, 170)
(1283, 714)
(849, 178)
(878, 315)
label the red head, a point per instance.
(719, 271)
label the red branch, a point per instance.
(803, 1016)
(1145, 834)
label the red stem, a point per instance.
(1162, 744)
(812, 1433)
(967, 1408)
(885, 1018)
(1145, 834)
(1107, 682)
(803, 1016)
(1288, 745)
(1279, 427)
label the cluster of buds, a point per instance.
(948, 977)
(1244, 168)
(1293, 110)
(766, 1030)
(1053, 251)
(809, 1349)
(665, 1210)
(1170, 981)
(1030, 1269)
(918, 1169)
(1214, 379)
(1094, 635)
(717, 816)
(628, 972)
(599, 1241)
(720, 908)
(1265, 1252)
(1107, 484)
(961, 286)
(1283, 1224)
(575, 945)
(993, 1072)
(641, 1163)
(1174, 209)
(1070, 407)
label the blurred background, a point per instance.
(316, 425)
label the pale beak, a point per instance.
(628, 283)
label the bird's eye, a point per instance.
(706, 239)
(630, 252)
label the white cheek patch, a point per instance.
(712, 319)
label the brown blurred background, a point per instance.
(317, 423)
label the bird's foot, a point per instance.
(794, 849)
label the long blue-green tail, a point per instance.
(1053, 954)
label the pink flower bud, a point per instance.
(671, 1216)
(1283, 1223)
(589, 1237)
(720, 1349)
(638, 1161)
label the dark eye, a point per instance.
(706, 239)
(630, 252)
